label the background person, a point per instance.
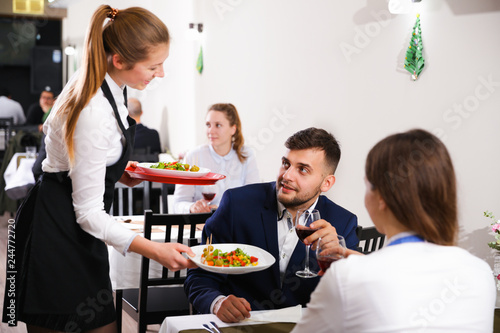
(226, 154)
(10, 108)
(38, 112)
(419, 281)
(144, 137)
(257, 214)
(88, 140)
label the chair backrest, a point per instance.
(6, 129)
(144, 155)
(183, 223)
(119, 191)
(370, 239)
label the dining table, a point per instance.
(262, 321)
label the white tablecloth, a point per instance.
(179, 323)
(125, 271)
(19, 179)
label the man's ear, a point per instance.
(118, 62)
(327, 183)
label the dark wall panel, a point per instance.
(16, 72)
(46, 69)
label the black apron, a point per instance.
(62, 272)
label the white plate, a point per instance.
(265, 258)
(145, 168)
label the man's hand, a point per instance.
(233, 309)
(326, 231)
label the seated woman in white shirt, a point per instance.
(420, 281)
(226, 154)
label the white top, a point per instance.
(97, 144)
(12, 109)
(237, 174)
(409, 287)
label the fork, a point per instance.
(206, 327)
(216, 328)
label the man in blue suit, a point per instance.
(258, 215)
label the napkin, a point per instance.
(286, 315)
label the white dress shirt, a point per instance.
(287, 237)
(409, 287)
(237, 174)
(12, 109)
(98, 143)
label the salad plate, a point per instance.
(265, 259)
(147, 169)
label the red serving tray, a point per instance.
(209, 179)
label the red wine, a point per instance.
(208, 196)
(325, 262)
(304, 233)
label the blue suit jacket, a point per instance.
(248, 215)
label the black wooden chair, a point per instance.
(370, 239)
(158, 298)
(127, 200)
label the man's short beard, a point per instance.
(298, 201)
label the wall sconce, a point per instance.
(69, 51)
(194, 31)
(199, 27)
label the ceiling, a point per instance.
(61, 3)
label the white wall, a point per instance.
(282, 64)
(286, 57)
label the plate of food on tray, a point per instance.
(231, 258)
(172, 169)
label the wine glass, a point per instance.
(302, 223)
(328, 252)
(209, 192)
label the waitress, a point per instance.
(63, 226)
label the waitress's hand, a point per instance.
(169, 255)
(126, 179)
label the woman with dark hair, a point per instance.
(420, 281)
(226, 154)
(62, 281)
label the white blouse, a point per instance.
(237, 174)
(409, 287)
(98, 143)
